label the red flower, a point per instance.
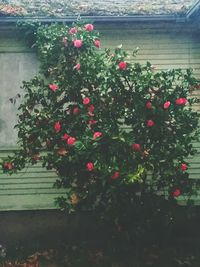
(90, 108)
(53, 87)
(86, 100)
(176, 193)
(8, 165)
(57, 127)
(65, 136)
(181, 101)
(71, 141)
(97, 43)
(166, 105)
(90, 166)
(92, 122)
(78, 43)
(149, 105)
(73, 30)
(76, 111)
(150, 123)
(77, 66)
(97, 135)
(115, 175)
(184, 167)
(122, 65)
(136, 147)
(89, 27)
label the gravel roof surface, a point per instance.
(63, 8)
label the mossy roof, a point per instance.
(64, 8)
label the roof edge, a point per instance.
(99, 19)
(193, 10)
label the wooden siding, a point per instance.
(29, 189)
(164, 45)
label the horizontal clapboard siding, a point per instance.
(32, 188)
(165, 45)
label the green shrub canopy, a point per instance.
(114, 131)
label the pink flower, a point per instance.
(176, 193)
(89, 27)
(97, 43)
(97, 135)
(153, 67)
(122, 65)
(181, 101)
(86, 100)
(73, 30)
(8, 165)
(57, 127)
(91, 122)
(90, 166)
(78, 43)
(149, 105)
(76, 111)
(53, 87)
(150, 123)
(90, 114)
(90, 108)
(166, 105)
(115, 175)
(77, 66)
(71, 141)
(184, 167)
(136, 147)
(65, 136)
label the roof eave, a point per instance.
(193, 11)
(99, 19)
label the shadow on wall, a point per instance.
(2, 125)
(42, 228)
(12, 73)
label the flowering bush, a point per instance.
(115, 132)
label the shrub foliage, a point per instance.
(115, 131)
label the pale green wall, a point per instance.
(14, 68)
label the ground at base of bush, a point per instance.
(89, 254)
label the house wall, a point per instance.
(165, 45)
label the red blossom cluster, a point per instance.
(122, 65)
(8, 165)
(54, 87)
(181, 101)
(166, 105)
(78, 43)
